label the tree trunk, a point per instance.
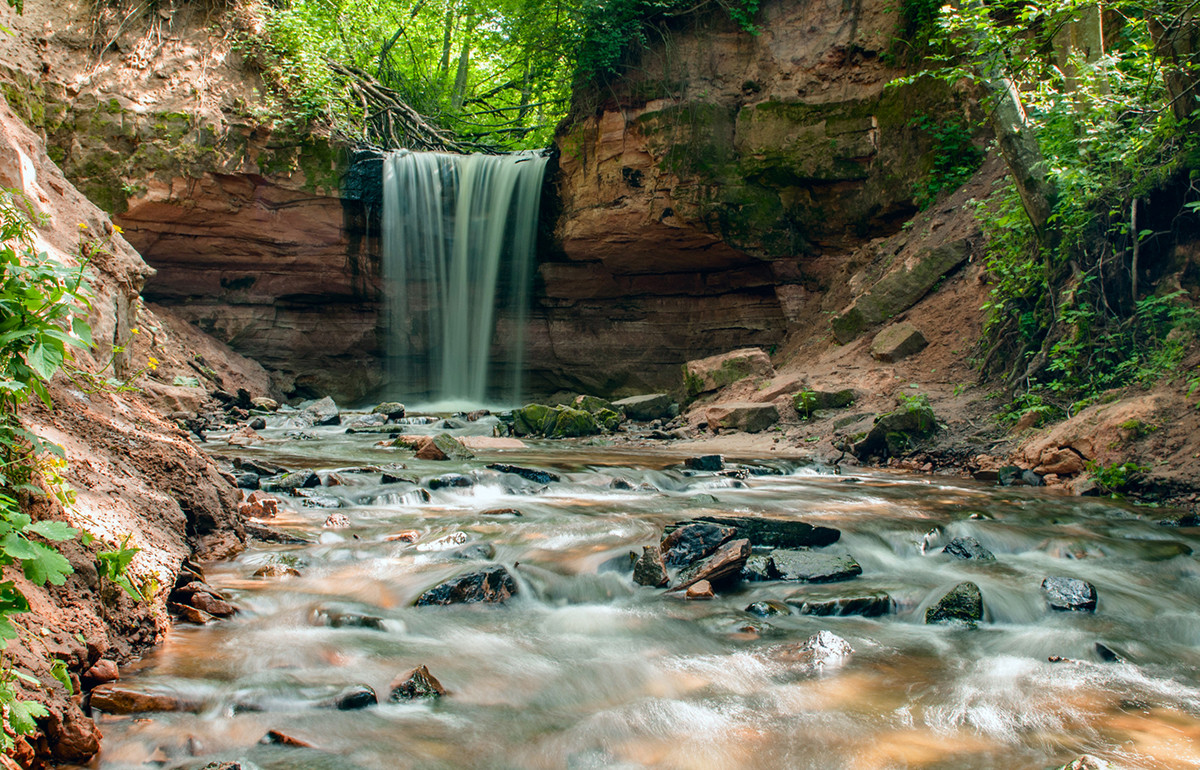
(1177, 44)
(464, 63)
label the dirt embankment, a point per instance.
(138, 478)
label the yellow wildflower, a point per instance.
(152, 362)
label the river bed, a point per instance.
(584, 669)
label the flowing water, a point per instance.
(583, 669)
(458, 243)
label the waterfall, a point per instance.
(458, 243)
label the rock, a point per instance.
(706, 375)
(532, 419)
(868, 605)
(477, 552)
(968, 548)
(529, 474)
(963, 604)
(320, 501)
(101, 672)
(275, 737)
(608, 419)
(701, 589)
(745, 416)
(353, 698)
(492, 585)
(572, 423)
(622, 563)
(264, 403)
(691, 542)
(485, 443)
(501, 512)
(897, 342)
(418, 683)
(276, 571)
(257, 423)
(245, 480)
(1061, 461)
(896, 432)
(121, 699)
(821, 650)
(323, 412)
(1108, 654)
(1085, 762)
(593, 404)
(393, 410)
(773, 533)
(288, 482)
(72, 736)
(444, 542)
(451, 480)
(757, 567)
(1013, 476)
(336, 521)
(389, 478)
(244, 437)
(366, 421)
(407, 536)
(649, 570)
(899, 289)
(440, 447)
(705, 463)
(1066, 594)
(189, 613)
(212, 605)
(768, 608)
(808, 402)
(726, 563)
(258, 467)
(813, 566)
(323, 616)
(655, 406)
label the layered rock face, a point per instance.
(697, 190)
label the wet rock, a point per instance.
(705, 463)
(701, 589)
(258, 467)
(488, 443)
(444, 542)
(353, 698)
(1012, 476)
(1108, 654)
(813, 566)
(592, 404)
(1066, 594)
(393, 410)
(323, 616)
(757, 567)
(477, 415)
(821, 650)
(390, 478)
(273, 737)
(529, 474)
(288, 482)
(707, 375)
(407, 536)
(323, 502)
(747, 417)
(723, 565)
(189, 613)
(121, 699)
(655, 406)
(476, 552)
(276, 571)
(71, 735)
(366, 421)
(807, 402)
(968, 548)
(650, 569)
(418, 683)
(244, 437)
(323, 412)
(572, 423)
(622, 563)
(245, 479)
(896, 432)
(451, 480)
(867, 605)
(897, 342)
(963, 603)
(1085, 762)
(212, 605)
(272, 535)
(257, 423)
(501, 512)
(264, 403)
(690, 542)
(775, 533)
(438, 448)
(101, 672)
(532, 419)
(492, 585)
(336, 521)
(768, 608)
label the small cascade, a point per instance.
(458, 247)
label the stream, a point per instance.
(584, 669)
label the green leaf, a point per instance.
(53, 530)
(82, 329)
(58, 670)
(23, 716)
(44, 360)
(46, 566)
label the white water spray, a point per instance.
(458, 243)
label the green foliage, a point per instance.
(1026, 404)
(806, 403)
(1117, 477)
(955, 157)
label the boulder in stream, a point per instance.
(649, 570)
(491, 585)
(418, 683)
(352, 698)
(393, 410)
(451, 480)
(273, 737)
(529, 474)
(322, 412)
(654, 406)
(726, 563)
(821, 650)
(1066, 594)
(700, 590)
(771, 533)
(768, 608)
(116, 698)
(964, 603)
(693, 541)
(871, 604)
(813, 566)
(705, 463)
(969, 549)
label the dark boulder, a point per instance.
(706, 463)
(490, 585)
(723, 566)
(1066, 594)
(393, 410)
(693, 541)
(449, 480)
(418, 683)
(968, 548)
(757, 567)
(649, 570)
(868, 605)
(353, 698)
(323, 412)
(963, 603)
(476, 552)
(772, 533)
(813, 566)
(768, 608)
(529, 474)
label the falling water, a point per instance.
(458, 241)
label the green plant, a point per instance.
(955, 157)
(1117, 477)
(806, 403)
(1026, 405)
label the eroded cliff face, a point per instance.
(251, 233)
(707, 193)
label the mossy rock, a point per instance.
(964, 604)
(593, 404)
(609, 420)
(809, 401)
(897, 432)
(570, 423)
(532, 419)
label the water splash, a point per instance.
(458, 242)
